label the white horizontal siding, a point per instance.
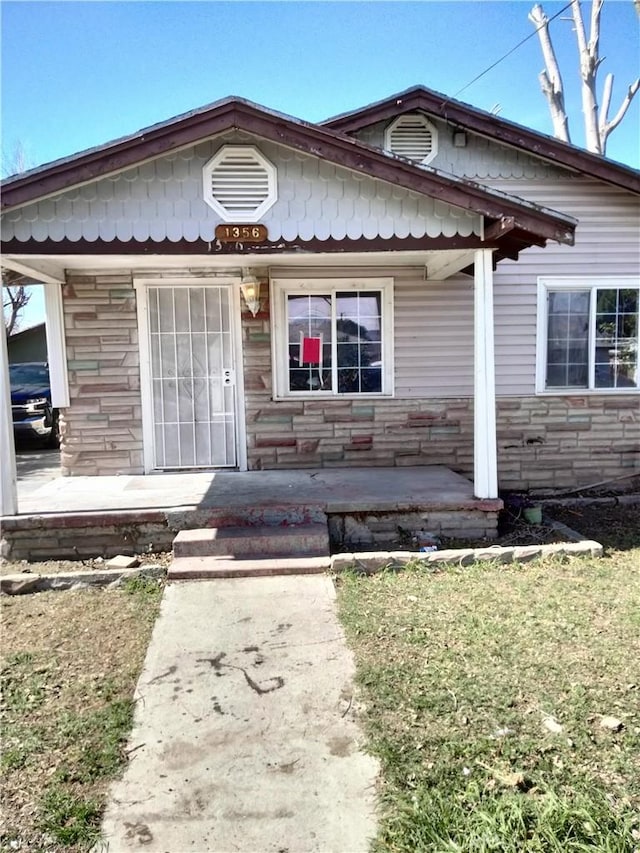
(433, 338)
(163, 199)
(607, 244)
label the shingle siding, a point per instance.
(163, 199)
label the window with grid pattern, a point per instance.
(337, 339)
(590, 334)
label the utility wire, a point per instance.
(513, 49)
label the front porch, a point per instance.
(81, 517)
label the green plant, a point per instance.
(69, 819)
(143, 585)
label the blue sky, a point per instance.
(78, 74)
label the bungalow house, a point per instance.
(415, 282)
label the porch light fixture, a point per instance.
(250, 287)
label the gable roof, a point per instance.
(512, 221)
(464, 116)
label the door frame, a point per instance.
(141, 283)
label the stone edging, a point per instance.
(366, 561)
(372, 561)
(25, 582)
(614, 500)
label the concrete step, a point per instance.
(208, 568)
(302, 540)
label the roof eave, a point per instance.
(317, 141)
(493, 127)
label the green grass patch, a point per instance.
(70, 820)
(22, 682)
(144, 587)
(484, 692)
(97, 741)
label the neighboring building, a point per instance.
(28, 345)
(389, 258)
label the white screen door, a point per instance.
(192, 377)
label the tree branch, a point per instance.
(550, 78)
(14, 298)
(624, 106)
(588, 69)
(604, 106)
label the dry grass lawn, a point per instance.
(486, 690)
(70, 661)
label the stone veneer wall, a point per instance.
(346, 433)
(563, 442)
(542, 441)
(549, 442)
(102, 428)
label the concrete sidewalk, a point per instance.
(245, 737)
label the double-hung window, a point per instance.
(333, 337)
(588, 334)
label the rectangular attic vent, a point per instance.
(240, 183)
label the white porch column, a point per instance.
(485, 460)
(8, 484)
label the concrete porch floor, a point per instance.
(78, 517)
(336, 490)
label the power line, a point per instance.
(513, 49)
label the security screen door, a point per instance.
(192, 377)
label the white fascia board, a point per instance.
(47, 272)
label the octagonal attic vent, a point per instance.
(412, 136)
(240, 183)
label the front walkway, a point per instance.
(245, 736)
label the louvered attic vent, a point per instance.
(412, 136)
(240, 183)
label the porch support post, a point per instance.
(8, 483)
(485, 460)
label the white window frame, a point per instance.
(576, 283)
(282, 288)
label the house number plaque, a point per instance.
(241, 233)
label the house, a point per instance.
(28, 344)
(415, 282)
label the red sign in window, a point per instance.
(311, 351)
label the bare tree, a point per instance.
(15, 297)
(16, 161)
(597, 123)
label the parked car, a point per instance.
(34, 417)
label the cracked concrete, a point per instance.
(245, 737)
